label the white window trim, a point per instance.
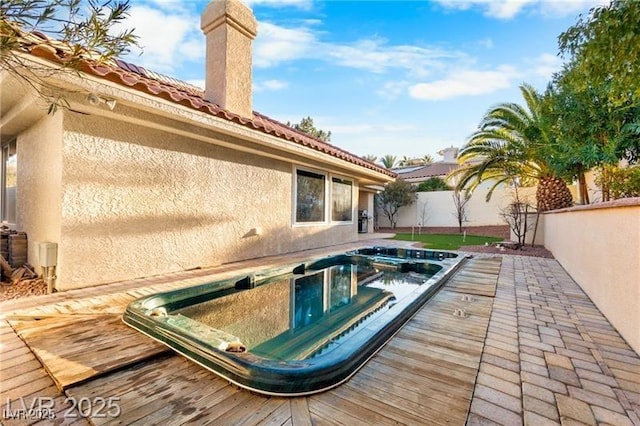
(328, 202)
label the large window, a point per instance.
(310, 196)
(321, 198)
(342, 200)
(9, 182)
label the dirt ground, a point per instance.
(22, 289)
(536, 251)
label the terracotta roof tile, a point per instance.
(430, 170)
(171, 89)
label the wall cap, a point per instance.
(614, 204)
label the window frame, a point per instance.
(328, 198)
(352, 185)
(6, 149)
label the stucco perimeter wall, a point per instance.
(599, 245)
(167, 203)
(39, 178)
(437, 208)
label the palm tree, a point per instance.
(406, 161)
(370, 158)
(427, 159)
(388, 161)
(510, 146)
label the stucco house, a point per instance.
(420, 173)
(144, 174)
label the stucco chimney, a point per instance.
(230, 28)
(449, 154)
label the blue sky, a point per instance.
(385, 77)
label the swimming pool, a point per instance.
(297, 329)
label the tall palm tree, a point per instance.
(427, 159)
(405, 161)
(369, 157)
(510, 146)
(388, 161)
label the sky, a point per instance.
(405, 78)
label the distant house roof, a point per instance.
(173, 90)
(439, 169)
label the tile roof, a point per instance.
(174, 90)
(430, 170)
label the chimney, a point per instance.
(449, 154)
(230, 27)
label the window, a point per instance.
(321, 198)
(310, 196)
(342, 200)
(9, 182)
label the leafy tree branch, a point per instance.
(75, 30)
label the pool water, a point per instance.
(298, 329)
(309, 313)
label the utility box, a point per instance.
(48, 254)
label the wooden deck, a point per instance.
(432, 363)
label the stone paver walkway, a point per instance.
(550, 356)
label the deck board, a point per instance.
(23, 380)
(432, 362)
(74, 348)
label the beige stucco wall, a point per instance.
(167, 203)
(599, 246)
(38, 197)
(437, 208)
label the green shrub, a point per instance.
(621, 182)
(433, 184)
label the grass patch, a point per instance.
(447, 241)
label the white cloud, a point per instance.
(393, 89)
(301, 4)
(569, 7)
(501, 9)
(161, 48)
(465, 83)
(507, 9)
(276, 44)
(269, 85)
(368, 129)
(547, 64)
(377, 56)
(486, 42)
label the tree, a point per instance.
(597, 94)
(388, 161)
(371, 158)
(427, 159)
(395, 195)
(513, 142)
(460, 200)
(306, 126)
(408, 161)
(621, 182)
(433, 184)
(591, 130)
(516, 214)
(82, 31)
(423, 211)
(604, 47)
(405, 161)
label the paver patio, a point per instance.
(549, 357)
